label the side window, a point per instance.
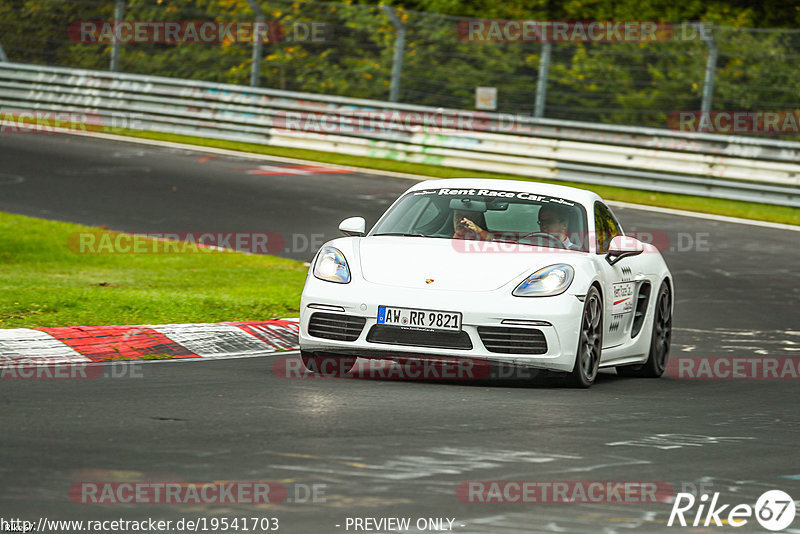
(606, 227)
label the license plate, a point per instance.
(422, 319)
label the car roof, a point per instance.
(587, 198)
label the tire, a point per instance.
(660, 340)
(590, 341)
(328, 364)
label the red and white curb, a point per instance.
(84, 344)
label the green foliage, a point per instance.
(622, 83)
(737, 13)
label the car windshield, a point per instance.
(487, 214)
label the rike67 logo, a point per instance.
(774, 510)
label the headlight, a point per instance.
(332, 266)
(552, 280)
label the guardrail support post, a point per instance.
(397, 60)
(541, 83)
(258, 43)
(119, 14)
(711, 68)
(3, 56)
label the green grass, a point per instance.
(731, 208)
(45, 283)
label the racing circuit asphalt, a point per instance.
(383, 447)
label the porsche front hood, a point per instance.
(446, 264)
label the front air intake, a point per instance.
(507, 340)
(336, 326)
(641, 309)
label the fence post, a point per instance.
(3, 56)
(119, 14)
(258, 43)
(397, 60)
(711, 68)
(541, 83)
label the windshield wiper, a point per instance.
(402, 234)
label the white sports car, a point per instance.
(505, 271)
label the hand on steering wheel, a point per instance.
(551, 237)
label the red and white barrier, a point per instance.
(81, 344)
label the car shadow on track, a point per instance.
(449, 371)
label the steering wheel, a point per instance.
(551, 237)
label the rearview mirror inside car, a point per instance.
(467, 204)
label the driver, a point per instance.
(553, 220)
(469, 225)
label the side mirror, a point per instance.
(353, 226)
(623, 246)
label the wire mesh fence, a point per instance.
(362, 50)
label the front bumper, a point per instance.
(562, 315)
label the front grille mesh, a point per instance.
(507, 340)
(394, 335)
(336, 326)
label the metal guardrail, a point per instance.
(731, 167)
